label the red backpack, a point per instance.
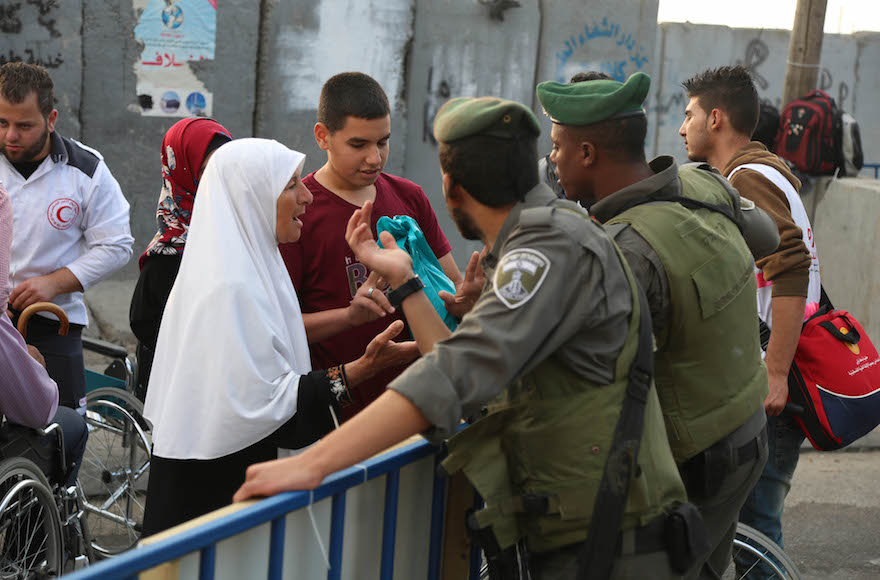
(809, 134)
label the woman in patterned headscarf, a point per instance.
(186, 148)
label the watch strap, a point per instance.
(411, 286)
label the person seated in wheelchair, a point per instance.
(28, 397)
(232, 380)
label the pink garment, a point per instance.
(27, 395)
(5, 247)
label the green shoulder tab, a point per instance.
(519, 275)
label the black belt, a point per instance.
(643, 540)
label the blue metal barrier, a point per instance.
(205, 537)
(875, 167)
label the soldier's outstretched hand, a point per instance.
(467, 290)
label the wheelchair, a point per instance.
(42, 529)
(112, 480)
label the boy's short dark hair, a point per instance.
(18, 80)
(496, 172)
(351, 94)
(731, 89)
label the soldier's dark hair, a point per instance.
(590, 75)
(496, 172)
(351, 94)
(731, 89)
(620, 139)
(18, 80)
(623, 139)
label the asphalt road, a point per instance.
(831, 525)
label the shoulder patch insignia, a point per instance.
(519, 275)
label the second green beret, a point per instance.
(468, 116)
(595, 101)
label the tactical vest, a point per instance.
(709, 374)
(544, 444)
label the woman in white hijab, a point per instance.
(231, 378)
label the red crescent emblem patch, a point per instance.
(62, 213)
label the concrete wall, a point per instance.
(48, 33)
(846, 221)
(849, 73)
(272, 57)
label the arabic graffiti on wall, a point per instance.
(31, 57)
(756, 55)
(607, 38)
(24, 45)
(174, 33)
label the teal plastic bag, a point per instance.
(409, 237)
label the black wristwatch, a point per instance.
(414, 284)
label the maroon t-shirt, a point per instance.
(326, 273)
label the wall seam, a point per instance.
(82, 70)
(540, 43)
(267, 7)
(661, 73)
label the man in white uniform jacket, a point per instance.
(70, 225)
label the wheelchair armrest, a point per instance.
(49, 428)
(104, 347)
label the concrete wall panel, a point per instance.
(848, 73)
(308, 42)
(847, 228)
(864, 95)
(460, 49)
(48, 33)
(614, 37)
(111, 118)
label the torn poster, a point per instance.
(174, 33)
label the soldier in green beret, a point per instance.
(554, 341)
(690, 241)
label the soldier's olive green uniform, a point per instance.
(697, 272)
(551, 340)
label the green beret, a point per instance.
(467, 116)
(591, 102)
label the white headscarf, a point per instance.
(232, 345)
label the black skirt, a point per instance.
(182, 489)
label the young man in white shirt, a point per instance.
(70, 217)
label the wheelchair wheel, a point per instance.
(30, 527)
(753, 551)
(113, 477)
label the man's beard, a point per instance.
(29, 154)
(466, 226)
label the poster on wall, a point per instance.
(174, 33)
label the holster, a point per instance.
(508, 564)
(687, 540)
(704, 473)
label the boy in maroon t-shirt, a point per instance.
(342, 308)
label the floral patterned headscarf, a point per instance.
(184, 149)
